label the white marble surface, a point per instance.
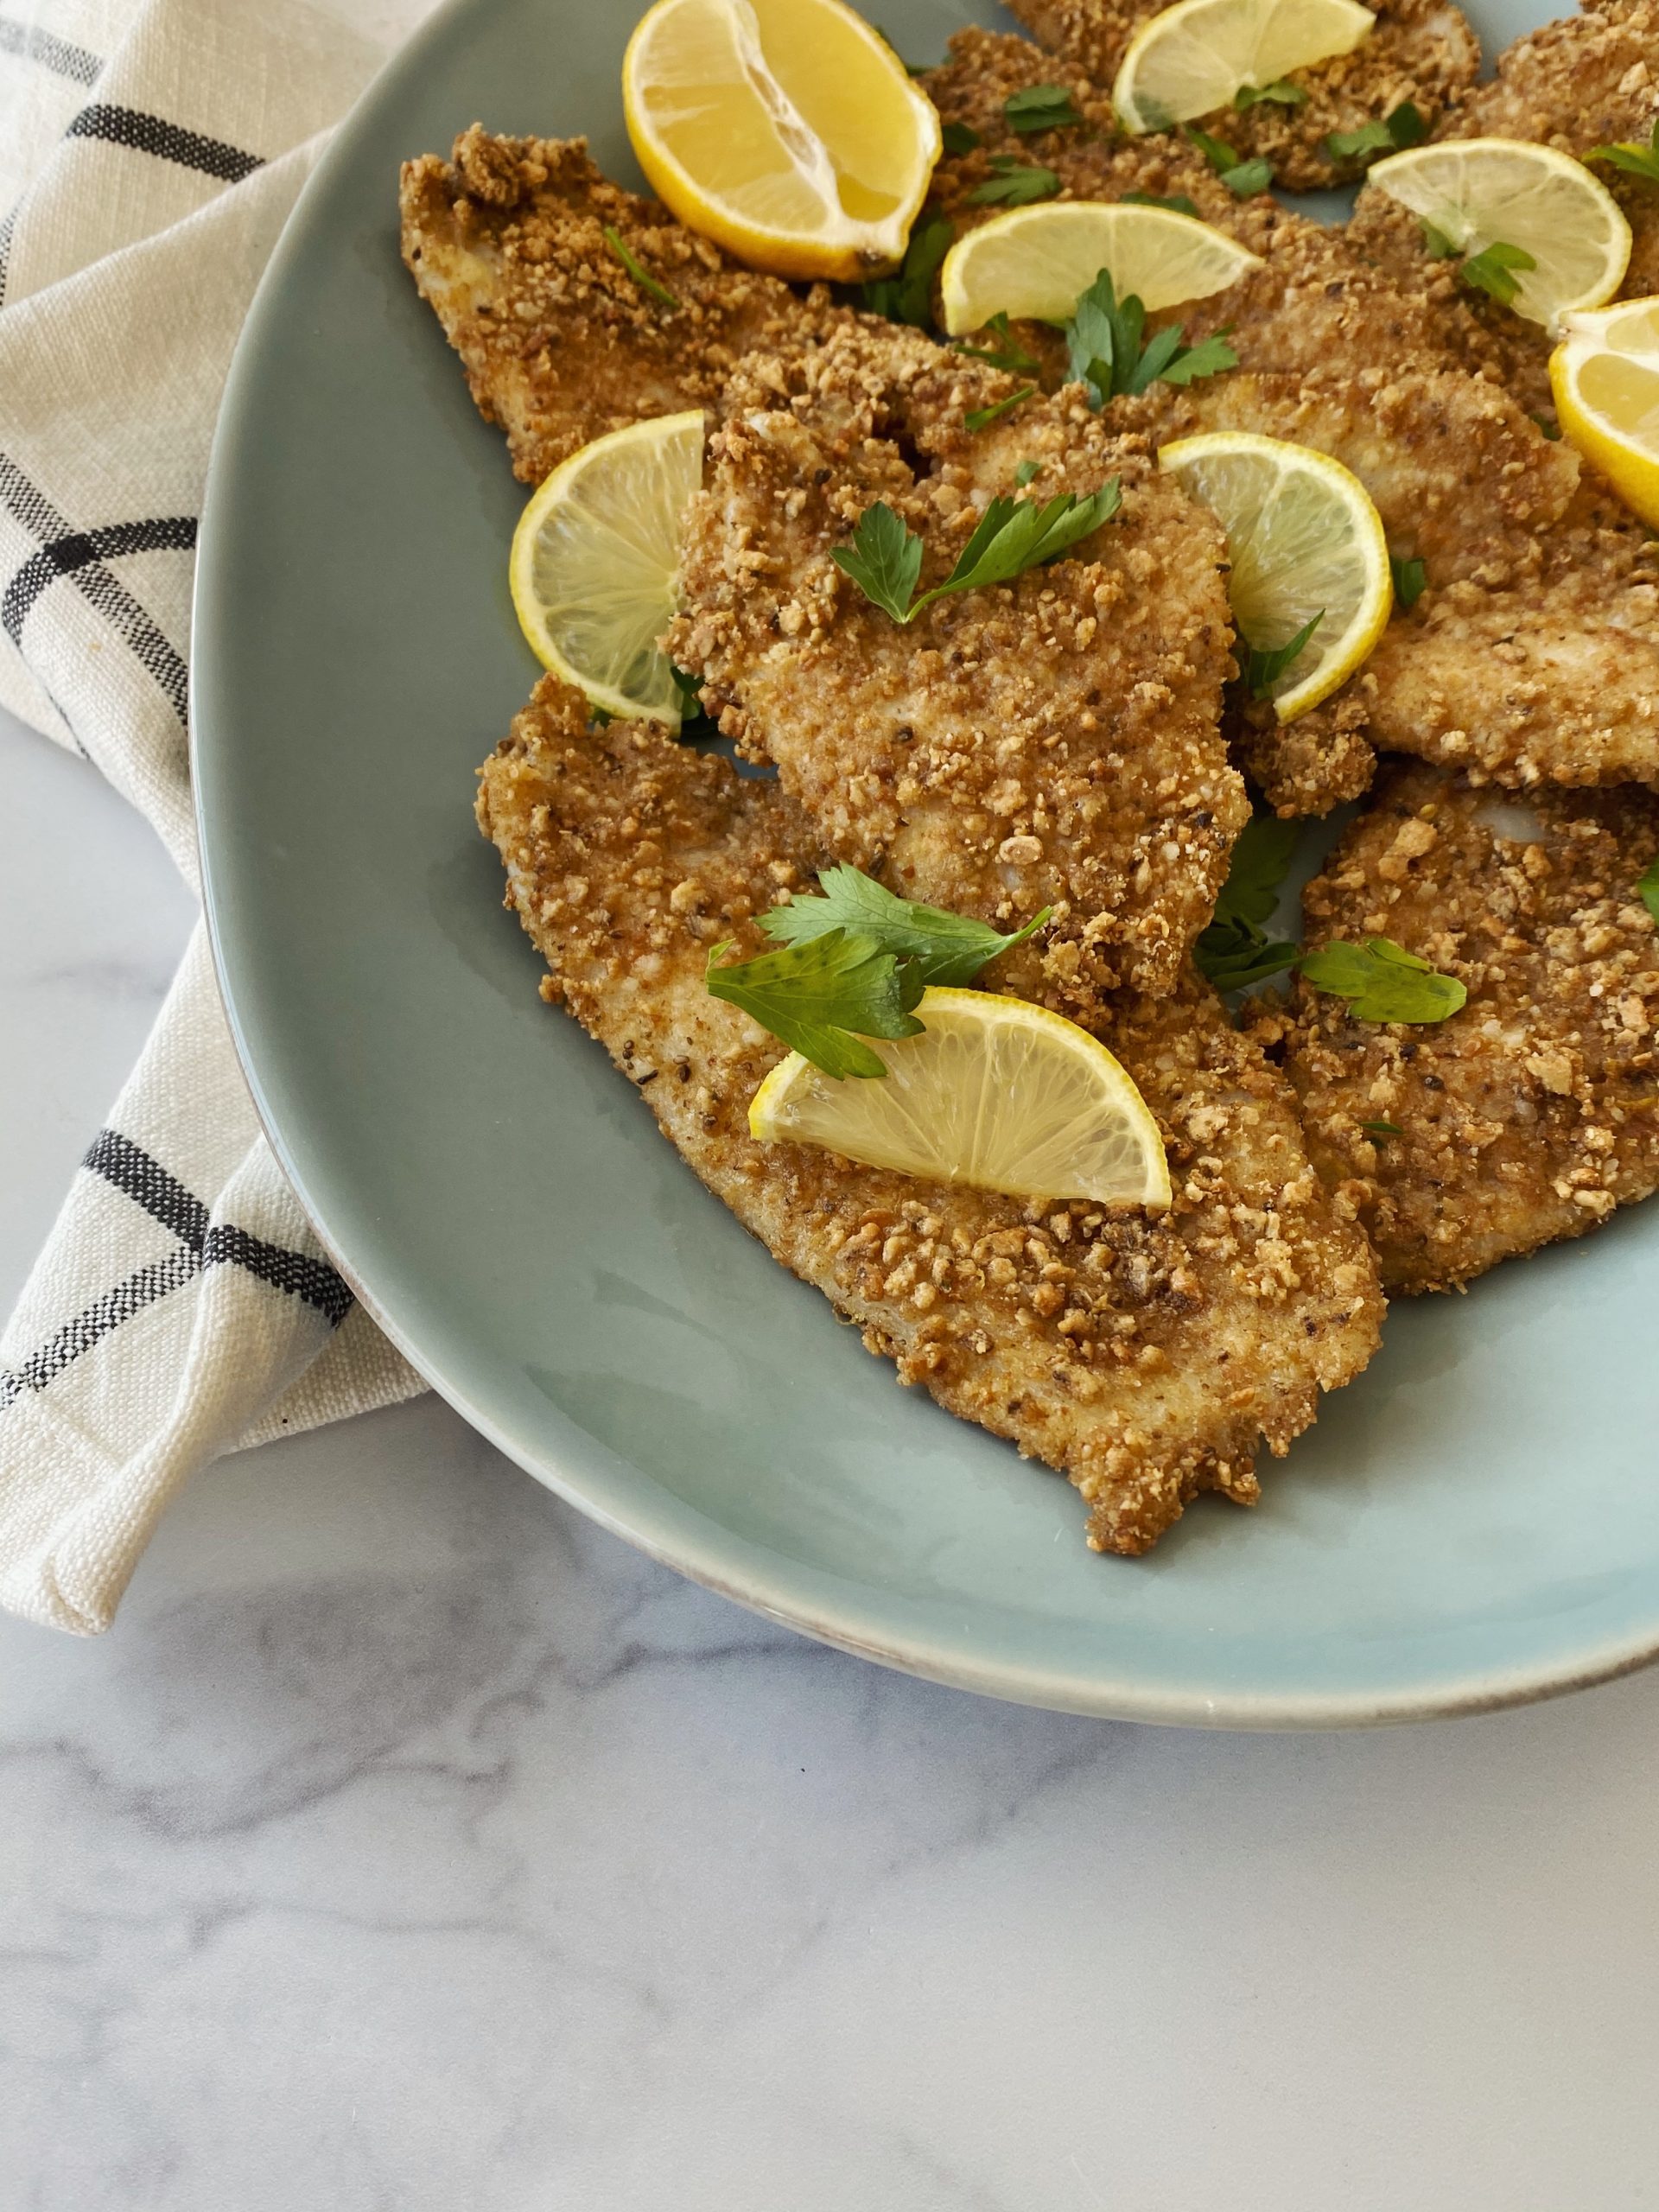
(411, 1847)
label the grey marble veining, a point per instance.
(410, 1845)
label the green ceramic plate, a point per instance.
(1476, 1521)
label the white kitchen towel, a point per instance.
(149, 153)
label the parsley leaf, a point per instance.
(1026, 471)
(1234, 951)
(636, 268)
(1280, 92)
(1016, 184)
(1404, 127)
(1243, 178)
(959, 137)
(885, 557)
(947, 948)
(981, 418)
(1440, 248)
(1382, 1128)
(1551, 431)
(1383, 981)
(825, 996)
(1410, 580)
(1265, 664)
(1041, 107)
(1489, 270)
(1648, 889)
(695, 721)
(1005, 353)
(1635, 159)
(1105, 353)
(1177, 202)
(908, 297)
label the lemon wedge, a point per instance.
(1479, 191)
(1303, 539)
(787, 130)
(1037, 261)
(1190, 60)
(1606, 378)
(996, 1092)
(595, 562)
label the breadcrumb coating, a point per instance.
(1053, 741)
(1146, 1358)
(1421, 51)
(1587, 80)
(1533, 1113)
(560, 344)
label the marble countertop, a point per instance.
(410, 1845)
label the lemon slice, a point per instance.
(1037, 261)
(1303, 538)
(1605, 379)
(1475, 192)
(788, 130)
(1191, 58)
(595, 562)
(996, 1092)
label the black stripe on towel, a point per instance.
(95, 1323)
(167, 142)
(148, 1184)
(136, 628)
(313, 1280)
(82, 548)
(53, 53)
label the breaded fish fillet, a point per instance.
(1421, 51)
(1145, 1358)
(1587, 80)
(1534, 1112)
(1052, 740)
(507, 242)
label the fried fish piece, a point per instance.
(508, 243)
(1421, 51)
(1049, 740)
(1144, 1358)
(1533, 1113)
(1587, 80)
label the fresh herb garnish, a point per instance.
(948, 949)
(1041, 107)
(1015, 184)
(1551, 431)
(908, 296)
(1635, 160)
(1648, 889)
(1382, 1128)
(1265, 664)
(1243, 178)
(1383, 981)
(1177, 202)
(958, 139)
(981, 418)
(1280, 92)
(884, 559)
(1404, 127)
(1104, 350)
(1026, 471)
(825, 996)
(1234, 951)
(1410, 580)
(636, 268)
(695, 722)
(1489, 270)
(1005, 353)
(1439, 247)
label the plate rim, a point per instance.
(735, 1566)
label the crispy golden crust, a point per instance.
(1146, 1359)
(560, 344)
(1587, 80)
(1321, 760)
(1530, 1116)
(1053, 741)
(1421, 50)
